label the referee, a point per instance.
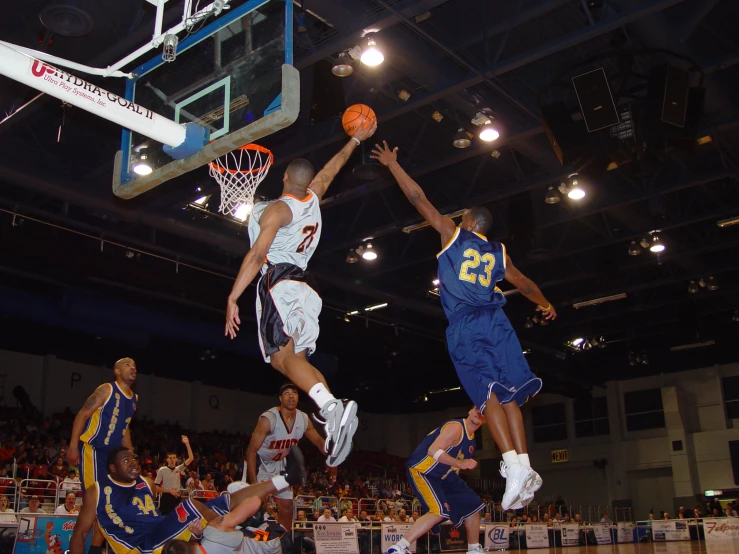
(168, 478)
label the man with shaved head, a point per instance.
(284, 234)
(102, 425)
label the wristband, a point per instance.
(438, 454)
(547, 308)
(358, 141)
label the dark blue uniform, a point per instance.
(130, 521)
(482, 344)
(104, 431)
(438, 486)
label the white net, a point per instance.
(239, 173)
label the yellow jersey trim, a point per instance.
(94, 424)
(451, 241)
(483, 237)
(124, 392)
(505, 256)
(472, 436)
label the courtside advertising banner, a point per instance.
(670, 531)
(602, 532)
(392, 533)
(42, 535)
(496, 537)
(724, 529)
(452, 538)
(570, 534)
(537, 536)
(336, 538)
(625, 531)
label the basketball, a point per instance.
(354, 116)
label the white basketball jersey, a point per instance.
(296, 242)
(277, 443)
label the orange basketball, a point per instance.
(354, 116)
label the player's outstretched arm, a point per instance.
(325, 177)
(276, 215)
(257, 439)
(444, 225)
(529, 289)
(95, 400)
(451, 434)
(85, 521)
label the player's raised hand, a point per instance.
(185, 440)
(365, 131)
(468, 464)
(232, 319)
(383, 154)
(549, 312)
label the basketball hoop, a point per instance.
(239, 173)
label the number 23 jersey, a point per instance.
(469, 268)
(296, 242)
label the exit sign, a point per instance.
(559, 456)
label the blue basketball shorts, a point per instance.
(488, 357)
(449, 497)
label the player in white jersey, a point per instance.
(277, 430)
(284, 234)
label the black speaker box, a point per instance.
(566, 136)
(596, 102)
(669, 88)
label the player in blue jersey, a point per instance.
(101, 425)
(123, 503)
(481, 341)
(433, 474)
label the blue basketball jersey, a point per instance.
(109, 423)
(469, 268)
(425, 464)
(126, 512)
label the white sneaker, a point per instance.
(477, 550)
(518, 479)
(527, 495)
(340, 423)
(396, 549)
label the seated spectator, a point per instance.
(348, 517)
(6, 511)
(545, 518)
(416, 515)
(577, 518)
(514, 521)
(270, 514)
(326, 517)
(59, 470)
(534, 518)
(486, 518)
(566, 518)
(605, 518)
(402, 516)
(364, 518)
(70, 506)
(697, 514)
(71, 483)
(33, 506)
(316, 515)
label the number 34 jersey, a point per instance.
(469, 268)
(296, 242)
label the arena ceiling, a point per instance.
(90, 277)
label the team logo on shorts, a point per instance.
(181, 513)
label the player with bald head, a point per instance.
(284, 234)
(102, 425)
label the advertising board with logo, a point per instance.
(392, 533)
(336, 538)
(537, 536)
(723, 529)
(496, 536)
(570, 534)
(44, 534)
(452, 538)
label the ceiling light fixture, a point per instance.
(656, 245)
(142, 167)
(202, 201)
(712, 283)
(351, 256)
(404, 95)
(572, 187)
(552, 196)
(577, 342)
(435, 282)
(371, 55)
(375, 307)
(736, 316)
(461, 139)
(243, 210)
(692, 287)
(496, 154)
(437, 116)
(488, 133)
(634, 249)
(342, 67)
(367, 252)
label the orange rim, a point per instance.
(216, 166)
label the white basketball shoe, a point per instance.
(527, 495)
(518, 480)
(340, 423)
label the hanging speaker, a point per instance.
(596, 102)
(669, 88)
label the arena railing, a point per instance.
(46, 489)
(303, 502)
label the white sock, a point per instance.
(320, 394)
(523, 459)
(471, 547)
(280, 483)
(510, 458)
(403, 544)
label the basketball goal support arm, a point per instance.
(180, 140)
